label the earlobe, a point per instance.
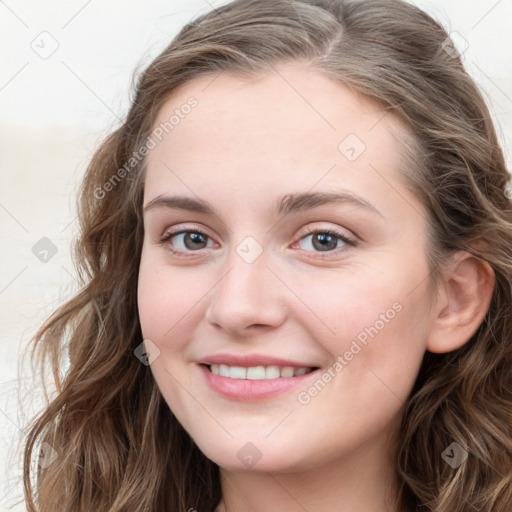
(463, 301)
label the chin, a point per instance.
(255, 457)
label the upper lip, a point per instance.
(252, 360)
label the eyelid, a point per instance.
(325, 229)
(186, 228)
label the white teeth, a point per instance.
(224, 370)
(257, 372)
(272, 372)
(237, 372)
(287, 371)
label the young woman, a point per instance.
(296, 257)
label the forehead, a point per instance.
(292, 121)
(271, 102)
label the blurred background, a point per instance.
(65, 82)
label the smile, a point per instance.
(255, 383)
(257, 372)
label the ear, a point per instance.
(464, 297)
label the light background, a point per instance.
(55, 110)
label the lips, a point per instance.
(253, 377)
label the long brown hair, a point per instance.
(118, 446)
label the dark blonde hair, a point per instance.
(119, 446)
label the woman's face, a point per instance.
(288, 324)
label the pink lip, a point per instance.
(247, 390)
(252, 360)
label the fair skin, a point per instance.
(245, 146)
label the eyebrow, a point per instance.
(287, 204)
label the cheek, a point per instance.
(167, 305)
(168, 300)
(374, 336)
(376, 354)
(154, 303)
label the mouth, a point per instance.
(255, 383)
(271, 372)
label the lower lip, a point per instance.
(252, 390)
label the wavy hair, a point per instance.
(120, 448)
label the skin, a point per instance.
(244, 146)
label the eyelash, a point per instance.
(346, 240)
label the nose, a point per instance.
(248, 298)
